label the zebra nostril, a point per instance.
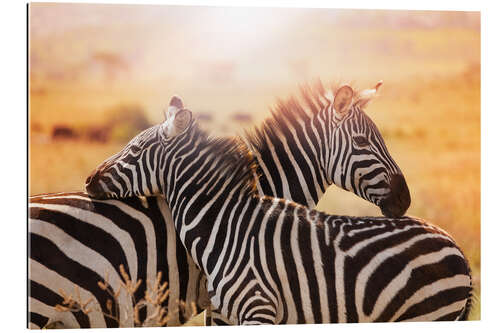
(89, 178)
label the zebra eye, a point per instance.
(361, 141)
(134, 149)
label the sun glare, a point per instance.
(233, 31)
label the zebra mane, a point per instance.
(236, 162)
(293, 111)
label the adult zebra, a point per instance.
(269, 260)
(290, 140)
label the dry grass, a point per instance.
(155, 296)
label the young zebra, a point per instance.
(269, 260)
(287, 141)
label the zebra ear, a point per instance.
(343, 99)
(176, 102)
(176, 122)
(368, 94)
(174, 105)
(182, 120)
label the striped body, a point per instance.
(233, 234)
(294, 265)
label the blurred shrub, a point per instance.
(124, 122)
(97, 133)
(204, 116)
(63, 132)
(121, 124)
(122, 132)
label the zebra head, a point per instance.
(357, 159)
(136, 170)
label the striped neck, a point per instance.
(292, 148)
(202, 169)
(289, 167)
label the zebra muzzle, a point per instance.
(398, 201)
(93, 188)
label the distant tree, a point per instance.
(242, 117)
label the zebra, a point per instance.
(287, 138)
(272, 261)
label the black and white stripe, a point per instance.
(269, 260)
(76, 240)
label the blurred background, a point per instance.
(98, 74)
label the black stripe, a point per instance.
(232, 235)
(422, 276)
(433, 303)
(315, 160)
(289, 263)
(271, 259)
(450, 316)
(37, 319)
(89, 235)
(267, 157)
(305, 247)
(347, 242)
(328, 255)
(147, 173)
(221, 235)
(49, 255)
(184, 277)
(139, 170)
(118, 178)
(297, 194)
(257, 261)
(353, 265)
(49, 297)
(391, 267)
(239, 238)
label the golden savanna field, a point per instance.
(100, 73)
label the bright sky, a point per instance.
(249, 55)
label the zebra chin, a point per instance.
(398, 201)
